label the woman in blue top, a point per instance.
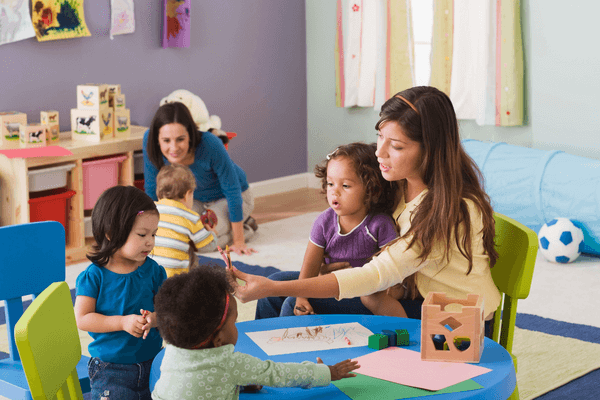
(173, 138)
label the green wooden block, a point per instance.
(402, 337)
(378, 341)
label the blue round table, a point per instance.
(497, 384)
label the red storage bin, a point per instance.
(50, 205)
(139, 183)
(99, 175)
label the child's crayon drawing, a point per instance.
(311, 338)
(58, 19)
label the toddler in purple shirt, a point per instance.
(356, 224)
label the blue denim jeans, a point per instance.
(119, 381)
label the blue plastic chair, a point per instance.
(32, 257)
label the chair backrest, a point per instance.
(517, 247)
(48, 341)
(32, 256)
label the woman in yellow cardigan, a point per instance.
(442, 213)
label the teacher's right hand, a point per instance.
(256, 287)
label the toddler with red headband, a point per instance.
(196, 314)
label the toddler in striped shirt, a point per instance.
(181, 232)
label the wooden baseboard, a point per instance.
(285, 184)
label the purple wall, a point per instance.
(247, 61)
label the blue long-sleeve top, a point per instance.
(217, 176)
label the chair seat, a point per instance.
(18, 389)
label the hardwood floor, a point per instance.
(288, 204)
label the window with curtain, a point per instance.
(470, 49)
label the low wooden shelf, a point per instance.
(14, 183)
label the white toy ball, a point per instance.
(560, 240)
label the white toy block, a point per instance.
(10, 122)
(459, 321)
(122, 123)
(92, 97)
(50, 119)
(32, 135)
(88, 125)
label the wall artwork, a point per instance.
(122, 18)
(176, 23)
(15, 23)
(58, 19)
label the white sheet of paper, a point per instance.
(311, 338)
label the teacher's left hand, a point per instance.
(241, 249)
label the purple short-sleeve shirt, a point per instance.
(357, 246)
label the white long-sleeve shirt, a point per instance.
(435, 274)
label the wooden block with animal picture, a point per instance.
(92, 97)
(119, 101)
(113, 90)
(50, 119)
(122, 123)
(87, 124)
(10, 122)
(32, 135)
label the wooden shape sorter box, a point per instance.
(14, 182)
(458, 321)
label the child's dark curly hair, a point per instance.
(189, 307)
(379, 193)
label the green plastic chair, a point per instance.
(48, 342)
(517, 246)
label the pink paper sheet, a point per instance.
(405, 367)
(46, 151)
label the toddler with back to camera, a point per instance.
(196, 315)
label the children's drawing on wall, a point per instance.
(15, 23)
(176, 23)
(122, 17)
(311, 338)
(58, 19)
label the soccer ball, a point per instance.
(560, 240)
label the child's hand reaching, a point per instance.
(342, 369)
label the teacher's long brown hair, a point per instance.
(427, 116)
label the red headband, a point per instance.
(205, 341)
(409, 103)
